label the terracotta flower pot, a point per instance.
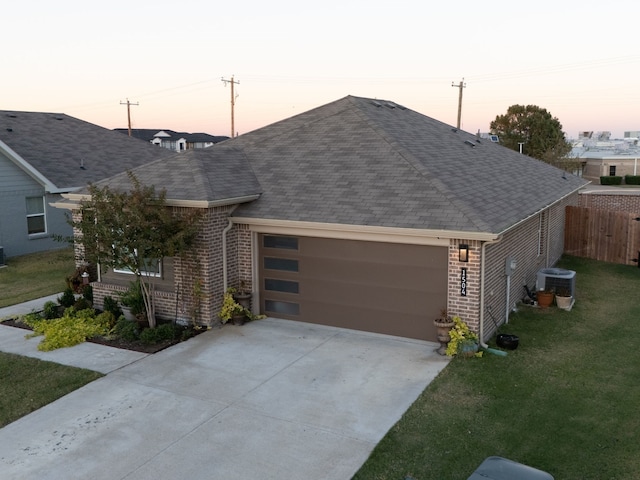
(545, 299)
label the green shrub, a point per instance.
(50, 310)
(186, 334)
(31, 319)
(151, 336)
(632, 179)
(67, 299)
(71, 329)
(611, 180)
(81, 304)
(87, 293)
(111, 305)
(126, 330)
(133, 298)
(107, 319)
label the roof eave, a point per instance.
(360, 232)
(72, 201)
(28, 168)
(537, 212)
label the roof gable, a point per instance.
(199, 177)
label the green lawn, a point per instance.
(26, 384)
(33, 276)
(566, 401)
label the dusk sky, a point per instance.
(578, 59)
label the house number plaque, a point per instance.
(463, 282)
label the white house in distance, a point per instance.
(176, 141)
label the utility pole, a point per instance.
(128, 104)
(233, 102)
(460, 86)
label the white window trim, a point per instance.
(43, 215)
(126, 271)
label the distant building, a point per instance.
(176, 141)
(634, 135)
(602, 156)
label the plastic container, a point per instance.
(498, 468)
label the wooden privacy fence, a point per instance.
(605, 235)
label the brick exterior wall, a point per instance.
(198, 274)
(535, 244)
(467, 307)
(621, 202)
(199, 286)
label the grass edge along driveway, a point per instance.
(566, 401)
(27, 384)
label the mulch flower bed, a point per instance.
(136, 346)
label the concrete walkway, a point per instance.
(273, 399)
(14, 311)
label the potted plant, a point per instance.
(544, 298)
(231, 309)
(243, 295)
(564, 300)
(463, 341)
(133, 303)
(443, 324)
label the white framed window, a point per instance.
(151, 267)
(36, 220)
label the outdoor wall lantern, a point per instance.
(463, 252)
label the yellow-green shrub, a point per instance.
(71, 329)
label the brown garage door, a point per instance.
(380, 287)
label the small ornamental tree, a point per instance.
(132, 230)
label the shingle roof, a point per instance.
(199, 175)
(371, 162)
(70, 152)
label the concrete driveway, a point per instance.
(273, 399)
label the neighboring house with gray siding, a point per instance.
(43, 155)
(355, 214)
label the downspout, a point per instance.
(483, 262)
(547, 236)
(508, 303)
(225, 280)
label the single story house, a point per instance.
(361, 214)
(43, 155)
(176, 141)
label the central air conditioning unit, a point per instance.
(556, 279)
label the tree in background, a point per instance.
(540, 133)
(132, 230)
